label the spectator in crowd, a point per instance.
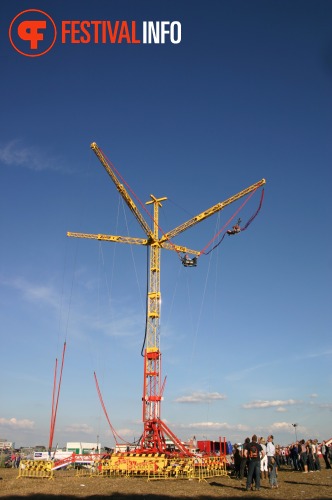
(253, 451)
(316, 455)
(262, 442)
(330, 453)
(270, 449)
(310, 455)
(273, 473)
(237, 461)
(303, 456)
(294, 454)
(278, 456)
(244, 460)
(288, 459)
(283, 455)
(325, 453)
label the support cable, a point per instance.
(228, 222)
(115, 434)
(147, 299)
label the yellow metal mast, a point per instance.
(155, 430)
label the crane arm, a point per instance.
(177, 248)
(122, 190)
(210, 211)
(130, 240)
(109, 237)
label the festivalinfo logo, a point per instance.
(33, 32)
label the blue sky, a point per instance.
(245, 336)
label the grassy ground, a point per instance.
(69, 486)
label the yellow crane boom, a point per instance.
(122, 190)
(131, 241)
(210, 211)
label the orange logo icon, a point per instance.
(32, 33)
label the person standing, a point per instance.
(273, 473)
(244, 460)
(294, 452)
(316, 455)
(278, 457)
(310, 455)
(304, 457)
(263, 459)
(325, 453)
(237, 461)
(330, 452)
(270, 449)
(253, 452)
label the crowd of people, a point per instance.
(13, 460)
(259, 459)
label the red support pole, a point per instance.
(55, 409)
(53, 401)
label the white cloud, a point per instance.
(34, 292)
(201, 397)
(17, 155)
(326, 406)
(125, 432)
(13, 423)
(281, 409)
(216, 426)
(269, 404)
(282, 425)
(287, 427)
(122, 323)
(312, 355)
(79, 428)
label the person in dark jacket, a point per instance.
(325, 453)
(244, 460)
(254, 452)
(237, 461)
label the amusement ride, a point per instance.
(155, 431)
